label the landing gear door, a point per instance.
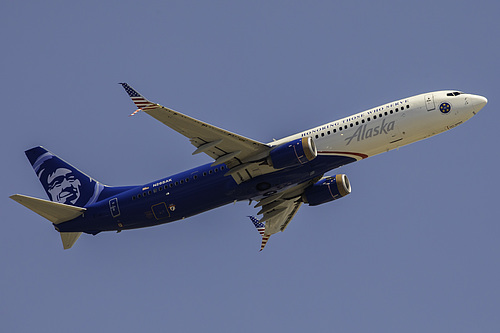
(429, 102)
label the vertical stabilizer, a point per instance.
(63, 182)
(70, 191)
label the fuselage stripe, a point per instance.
(363, 156)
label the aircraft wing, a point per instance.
(239, 153)
(276, 219)
(286, 213)
(278, 210)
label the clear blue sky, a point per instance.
(414, 248)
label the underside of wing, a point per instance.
(278, 210)
(243, 156)
(278, 219)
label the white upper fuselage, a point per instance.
(280, 176)
(393, 125)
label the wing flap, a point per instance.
(281, 218)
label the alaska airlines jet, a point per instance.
(279, 176)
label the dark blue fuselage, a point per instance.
(189, 193)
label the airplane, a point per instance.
(279, 176)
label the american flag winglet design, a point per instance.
(260, 228)
(133, 113)
(142, 103)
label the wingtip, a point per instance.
(265, 238)
(130, 91)
(139, 100)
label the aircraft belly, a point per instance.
(281, 180)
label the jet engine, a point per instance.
(327, 189)
(293, 153)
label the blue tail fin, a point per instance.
(63, 182)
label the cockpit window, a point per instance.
(455, 93)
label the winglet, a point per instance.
(261, 229)
(139, 100)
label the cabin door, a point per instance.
(429, 102)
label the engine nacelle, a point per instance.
(327, 189)
(293, 153)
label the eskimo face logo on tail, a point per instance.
(63, 186)
(63, 183)
(363, 132)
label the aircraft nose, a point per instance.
(478, 102)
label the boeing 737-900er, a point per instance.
(279, 176)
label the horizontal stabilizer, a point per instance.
(53, 211)
(69, 239)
